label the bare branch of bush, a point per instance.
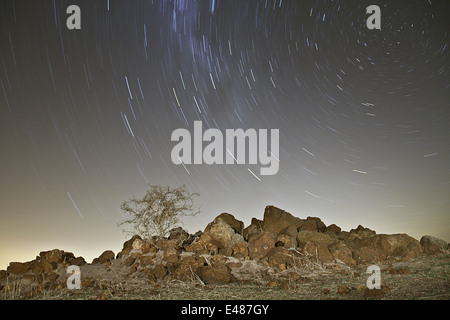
(160, 210)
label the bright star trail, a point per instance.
(86, 116)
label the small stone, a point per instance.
(284, 285)
(377, 293)
(160, 271)
(343, 290)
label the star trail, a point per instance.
(86, 115)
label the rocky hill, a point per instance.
(279, 249)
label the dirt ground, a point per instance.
(425, 278)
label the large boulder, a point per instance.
(394, 245)
(260, 245)
(399, 245)
(189, 267)
(319, 238)
(57, 256)
(368, 255)
(202, 246)
(131, 244)
(280, 257)
(53, 256)
(138, 245)
(172, 262)
(219, 273)
(237, 225)
(290, 231)
(343, 235)
(432, 245)
(318, 252)
(78, 261)
(360, 233)
(42, 266)
(359, 237)
(286, 241)
(221, 233)
(276, 220)
(159, 271)
(345, 258)
(18, 268)
(255, 228)
(313, 224)
(181, 236)
(341, 252)
(240, 250)
(333, 229)
(365, 241)
(144, 260)
(169, 247)
(104, 258)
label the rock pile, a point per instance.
(227, 252)
(41, 273)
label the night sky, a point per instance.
(86, 116)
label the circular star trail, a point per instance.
(86, 116)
